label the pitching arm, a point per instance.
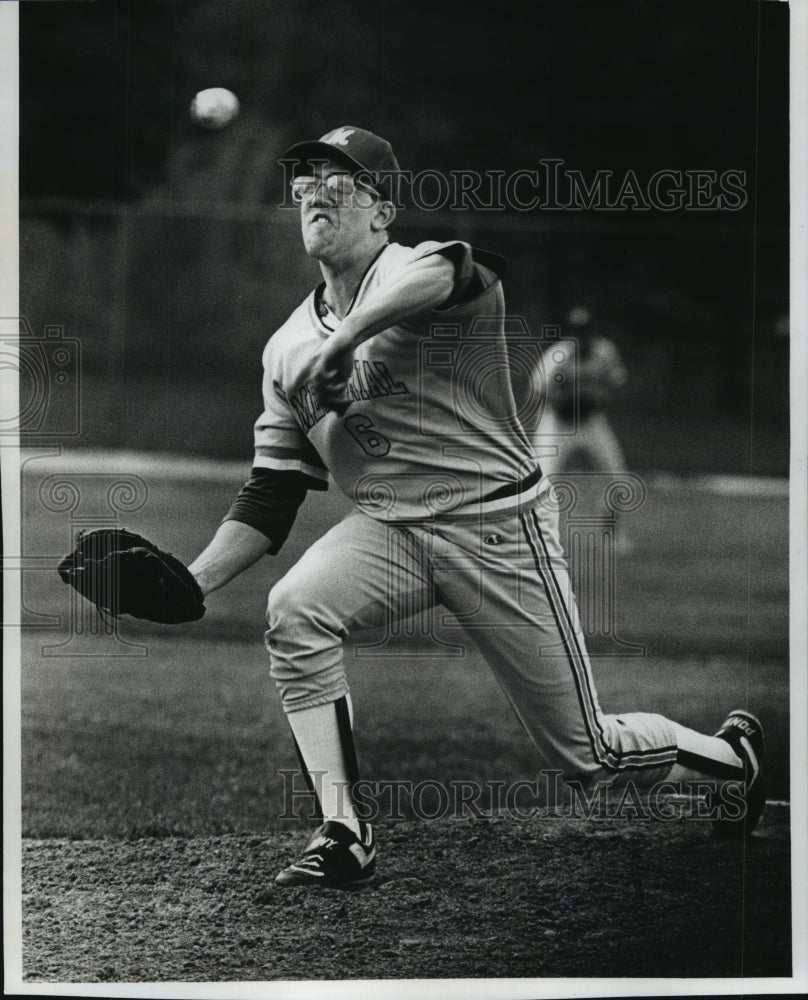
(423, 285)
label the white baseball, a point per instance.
(214, 107)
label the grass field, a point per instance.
(186, 738)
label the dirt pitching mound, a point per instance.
(483, 898)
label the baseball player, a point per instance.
(392, 377)
(579, 400)
(575, 433)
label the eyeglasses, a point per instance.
(337, 187)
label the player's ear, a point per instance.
(383, 216)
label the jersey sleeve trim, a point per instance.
(318, 476)
(292, 460)
(475, 270)
(458, 251)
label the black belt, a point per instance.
(513, 489)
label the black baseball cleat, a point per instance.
(744, 733)
(334, 858)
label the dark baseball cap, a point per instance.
(361, 151)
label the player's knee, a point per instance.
(286, 611)
(294, 612)
(304, 643)
(282, 604)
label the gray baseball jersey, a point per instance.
(431, 430)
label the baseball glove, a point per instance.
(125, 574)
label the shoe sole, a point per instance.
(296, 881)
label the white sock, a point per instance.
(318, 738)
(702, 751)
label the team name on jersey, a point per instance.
(369, 381)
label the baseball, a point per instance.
(214, 107)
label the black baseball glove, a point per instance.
(125, 574)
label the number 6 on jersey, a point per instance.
(363, 432)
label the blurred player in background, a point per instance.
(362, 382)
(576, 422)
(575, 434)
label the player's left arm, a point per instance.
(423, 285)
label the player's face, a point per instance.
(336, 213)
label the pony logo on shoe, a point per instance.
(744, 733)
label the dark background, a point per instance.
(159, 247)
